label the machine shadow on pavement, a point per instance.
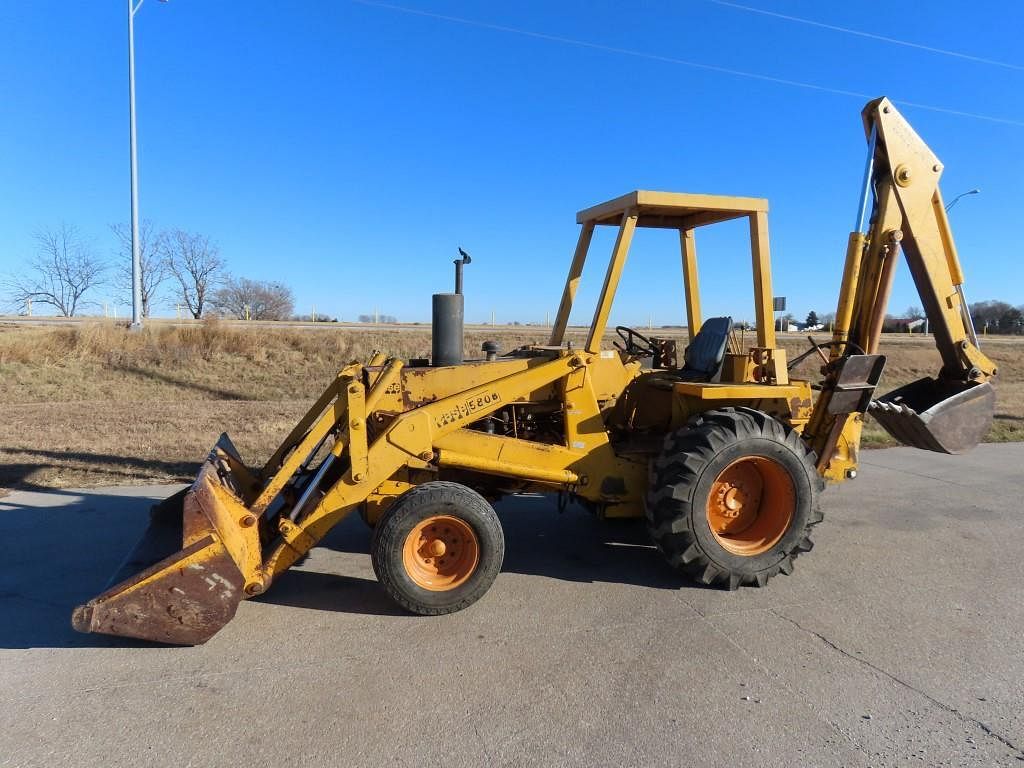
(330, 592)
(48, 574)
(62, 547)
(573, 545)
(539, 540)
(570, 545)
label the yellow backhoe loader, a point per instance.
(719, 448)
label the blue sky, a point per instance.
(348, 148)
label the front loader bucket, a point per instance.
(180, 584)
(937, 415)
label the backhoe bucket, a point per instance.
(180, 584)
(937, 415)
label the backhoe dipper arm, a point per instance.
(951, 412)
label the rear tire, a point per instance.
(438, 548)
(733, 498)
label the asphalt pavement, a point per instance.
(898, 641)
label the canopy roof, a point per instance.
(672, 210)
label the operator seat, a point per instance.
(704, 356)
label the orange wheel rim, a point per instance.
(441, 553)
(751, 505)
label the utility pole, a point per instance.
(133, 8)
(136, 258)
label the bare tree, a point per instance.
(152, 259)
(254, 300)
(196, 265)
(62, 272)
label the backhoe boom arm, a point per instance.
(901, 208)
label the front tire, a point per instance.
(733, 498)
(438, 548)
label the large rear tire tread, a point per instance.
(675, 507)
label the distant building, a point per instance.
(904, 324)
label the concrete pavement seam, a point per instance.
(903, 683)
(709, 620)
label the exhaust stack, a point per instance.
(448, 320)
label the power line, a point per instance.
(868, 35)
(678, 61)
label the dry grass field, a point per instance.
(91, 404)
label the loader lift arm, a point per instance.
(238, 530)
(901, 208)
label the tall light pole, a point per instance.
(133, 8)
(962, 194)
(136, 259)
(964, 307)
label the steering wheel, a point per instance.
(817, 348)
(634, 342)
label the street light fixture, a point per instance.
(133, 8)
(964, 307)
(962, 194)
